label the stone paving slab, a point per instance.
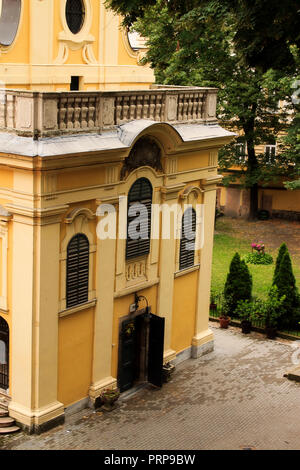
(233, 398)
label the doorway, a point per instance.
(4, 355)
(141, 348)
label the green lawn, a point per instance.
(226, 245)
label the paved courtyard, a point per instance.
(233, 398)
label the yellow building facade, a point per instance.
(84, 135)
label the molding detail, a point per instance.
(191, 189)
(136, 271)
(145, 152)
(87, 213)
(171, 192)
(5, 216)
(82, 40)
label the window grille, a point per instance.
(75, 15)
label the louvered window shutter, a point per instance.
(77, 270)
(187, 242)
(140, 192)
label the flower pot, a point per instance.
(168, 370)
(271, 332)
(109, 400)
(246, 326)
(224, 322)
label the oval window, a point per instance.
(10, 13)
(135, 40)
(75, 14)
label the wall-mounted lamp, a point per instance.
(138, 298)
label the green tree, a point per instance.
(286, 284)
(263, 29)
(281, 252)
(291, 150)
(214, 43)
(238, 284)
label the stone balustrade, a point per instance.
(42, 114)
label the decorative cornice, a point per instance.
(37, 215)
(210, 183)
(77, 212)
(171, 192)
(191, 189)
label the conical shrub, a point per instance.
(281, 252)
(238, 285)
(286, 284)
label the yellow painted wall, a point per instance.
(191, 161)
(6, 178)
(75, 354)
(80, 178)
(283, 200)
(184, 307)
(123, 57)
(44, 54)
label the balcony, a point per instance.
(48, 114)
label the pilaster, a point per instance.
(35, 300)
(203, 339)
(167, 268)
(104, 311)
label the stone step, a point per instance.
(3, 413)
(10, 430)
(6, 422)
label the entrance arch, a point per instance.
(4, 354)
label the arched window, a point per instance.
(139, 219)
(75, 14)
(188, 238)
(77, 270)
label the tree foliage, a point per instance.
(281, 252)
(286, 285)
(238, 284)
(235, 46)
(263, 29)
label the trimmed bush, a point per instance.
(258, 258)
(282, 250)
(238, 285)
(286, 284)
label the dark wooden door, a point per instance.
(156, 350)
(4, 365)
(128, 352)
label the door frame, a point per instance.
(143, 360)
(4, 336)
(129, 317)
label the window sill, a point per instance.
(77, 308)
(182, 272)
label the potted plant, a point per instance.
(224, 318)
(213, 300)
(168, 370)
(244, 312)
(109, 398)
